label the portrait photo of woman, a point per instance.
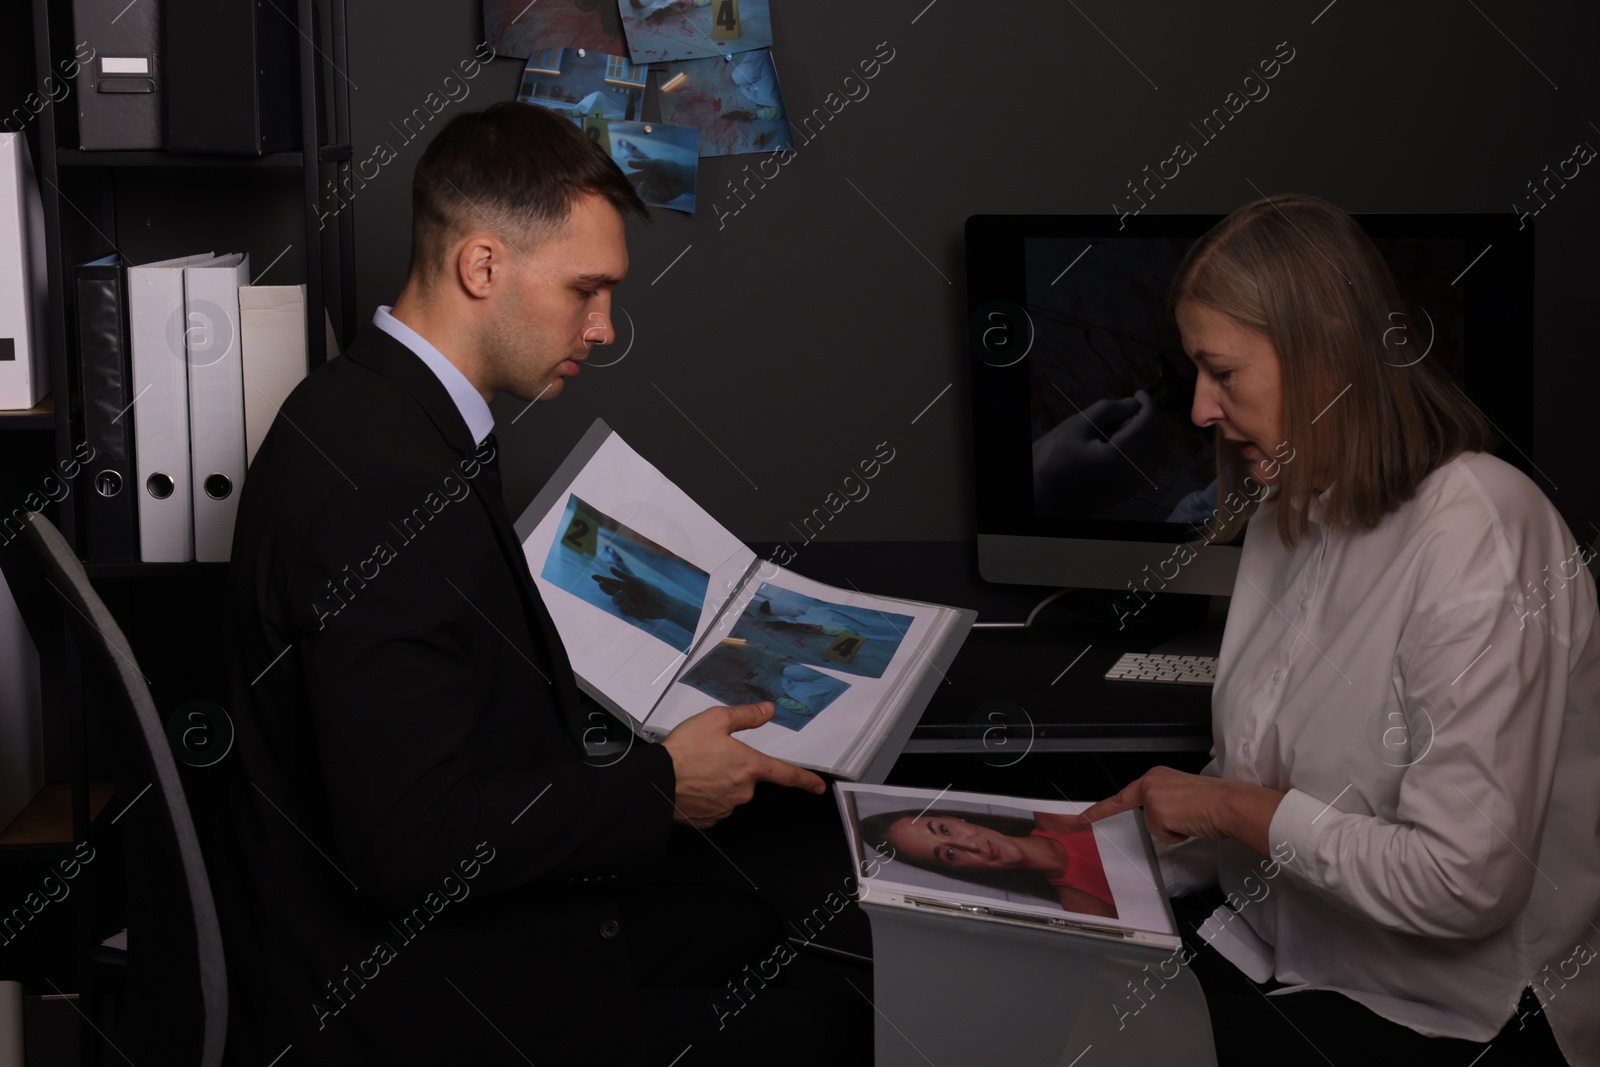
(1047, 856)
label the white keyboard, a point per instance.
(1173, 670)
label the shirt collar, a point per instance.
(474, 409)
(1316, 508)
(1319, 507)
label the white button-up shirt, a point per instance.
(1428, 696)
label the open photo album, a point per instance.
(664, 613)
(1007, 859)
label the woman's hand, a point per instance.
(1179, 806)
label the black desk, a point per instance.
(1041, 689)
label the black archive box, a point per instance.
(120, 91)
(232, 76)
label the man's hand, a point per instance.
(716, 772)
(1178, 806)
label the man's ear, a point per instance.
(480, 263)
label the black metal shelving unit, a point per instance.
(99, 202)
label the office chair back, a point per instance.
(175, 1005)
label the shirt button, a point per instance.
(1244, 749)
(1277, 675)
(610, 929)
(1303, 604)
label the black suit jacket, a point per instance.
(417, 863)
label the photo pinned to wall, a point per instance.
(661, 31)
(518, 28)
(803, 629)
(625, 574)
(735, 103)
(581, 84)
(661, 161)
(743, 672)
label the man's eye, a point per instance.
(587, 293)
(1222, 376)
(943, 829)
(950, 853)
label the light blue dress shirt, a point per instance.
(474, 409)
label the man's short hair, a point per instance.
(514, 168)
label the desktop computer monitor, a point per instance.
(1068, 321)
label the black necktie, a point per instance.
(491, 467)
(573, 717)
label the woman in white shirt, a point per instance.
(1407, 703)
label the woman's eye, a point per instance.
(943, 829)
(950, 853)
(1222, 376)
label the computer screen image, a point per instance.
(1091, 471)
(1108, 368)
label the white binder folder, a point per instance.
(160, 409)
(216, 399)
(24, 376)
(272, 320)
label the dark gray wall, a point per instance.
(791, 339)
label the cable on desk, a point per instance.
(1024, 624)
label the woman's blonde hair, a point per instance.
(1361, 413)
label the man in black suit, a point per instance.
(424, 864)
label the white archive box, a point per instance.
(24, 371)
